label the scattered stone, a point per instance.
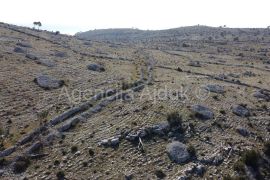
(261, 94)
(249, 74)
(19, 50)
(61, 54)
(215, 159)
(202, 112)
(240, 110)
(115, 142)
(2, 172)
(78, 153)
(48, 82)
(132, 136)
(34, 148)
(195, 64)
(243, 131)
(96, 67)
(200, 170)
(177, 152)
(46, 62)
(161, 128)
(129, 176)
(31, 56)
(215, 88)
(105, 142)
(26, 139)
(222, 76)
(193, 168)
(8, 151)
(24, 44)
(234, 75)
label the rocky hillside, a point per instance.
(187, 103)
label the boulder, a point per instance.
(214, 88)
(178, 152)
(96, 67)
(48, 82)
(202, 112)
(240, 110)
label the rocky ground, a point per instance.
(192, 105)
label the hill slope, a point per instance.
(92, 109)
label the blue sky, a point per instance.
(70, 16)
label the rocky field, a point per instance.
(187, 103)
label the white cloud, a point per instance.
(71, 16)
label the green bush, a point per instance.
(74, 149)
(60, 175)
(160, 174)
(239, 166)
(174, 120)
(251, 158)
(191, 150)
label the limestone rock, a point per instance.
(177, 152)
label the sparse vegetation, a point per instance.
(74, 149)
(21, 164)
(174, 119)
(60, 175)
(160, 174)
(239, 166)
(192, 151)
(266, 148)
(251, 158)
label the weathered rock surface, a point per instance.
(194, 64)
(96, 67)
(243, 131)
(261, 94)
(240, 110)
(177, 152)
(61, 54)
(31, 56)
(24, 44)
(19, 50)
(48, 82)
(202, 112)
(46, 62)
(8, 151)
(215, 88)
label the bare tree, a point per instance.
(37, 24)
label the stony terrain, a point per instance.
(187, 103)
